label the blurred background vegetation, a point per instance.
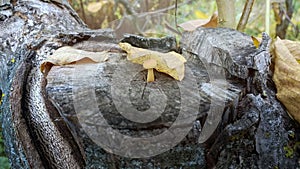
(100, 13)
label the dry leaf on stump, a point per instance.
(206, 23)
(287, 75)
(69, 55)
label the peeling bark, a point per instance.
(41, 127)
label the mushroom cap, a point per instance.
(170, 63)
(150, 64)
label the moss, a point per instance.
(4, 163)
(13, 60)
(267, 134)
(297, 145)
(1, 99)
(289, 151)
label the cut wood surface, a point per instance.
(226, 101)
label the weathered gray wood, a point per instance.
(63, 81)
(41, 127)
(244, 99)
(33, 139)
(258, 111)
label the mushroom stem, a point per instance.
(150, 75)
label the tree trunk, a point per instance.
(285, 18)
(226, 13)
(224, 112)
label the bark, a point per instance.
(33, 139)
(226, 13)
(285, 19)
(53, 121)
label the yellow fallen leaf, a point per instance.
(170, 63)
(194, 24)
(69, 55)
(287, 76)
(293, 48)
(256, 42)
(95, 6)
(200, 14)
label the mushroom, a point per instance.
(170, 63)
(150, 65)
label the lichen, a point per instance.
(267, 134)
(1, 99)
(289, 151)
(291, 134)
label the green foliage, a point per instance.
(289, 151)
(196, 10)
(292, 34)
(256, 23)
(186, 12)
(4, 163)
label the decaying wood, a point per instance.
(42, 128)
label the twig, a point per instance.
(134, 17)
(267, 17)
(245, 16)
(82, 10)
(176, 25)
(128, 7)
(165, 9)
(169, 27)
(176, 13)
(287, 17)
(282, 27)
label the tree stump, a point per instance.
(224, 112)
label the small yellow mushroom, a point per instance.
(170, 63)
(150, 65)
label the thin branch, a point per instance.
(176, 25)
(267, 16)
(134, 17)
(132, 12)
(82, 10)
(166, 9)
(287, 16)
(245, 16)
(129, 8)
(176, 12)
(282, 27)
